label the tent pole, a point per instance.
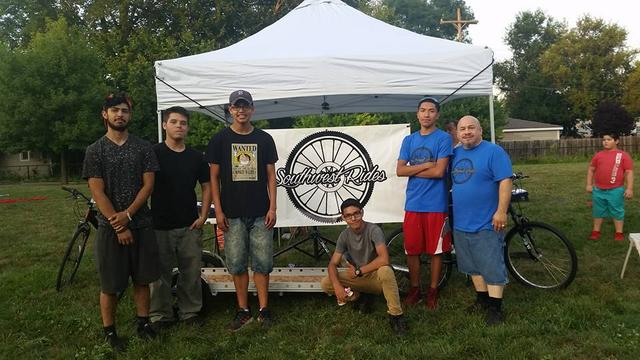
(159, 126)
(491, 120)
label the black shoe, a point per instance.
(146, 332)
(477, 307)
(364, 304)
(243, 317)
(495, 316)
(265, 318)
(118, 344)
(398, 324)
(194, 321)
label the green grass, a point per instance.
(597, 317)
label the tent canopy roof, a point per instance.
(326, 57)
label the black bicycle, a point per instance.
(78, 243)
(537, 254)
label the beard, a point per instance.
(117, 127)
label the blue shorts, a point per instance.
(481, 253)
(248, 236)
(608, 203)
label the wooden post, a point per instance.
(459, 23)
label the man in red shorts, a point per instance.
(424, 157)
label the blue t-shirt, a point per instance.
(426, 195)
(476, 175)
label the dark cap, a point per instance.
(240, 95)
(434, 101)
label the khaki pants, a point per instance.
(381, 281)
(181, 247)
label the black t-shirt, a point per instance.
(121, 168)
(173, 202)
(243, 161)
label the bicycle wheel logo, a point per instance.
(324, 169)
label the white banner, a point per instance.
(318, 168)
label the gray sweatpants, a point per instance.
(182, 248)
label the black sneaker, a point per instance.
(398, 324)
(495, 316)
(364, 304)
(146, 332)
(265, 318)
(117, 343)
(243, 317)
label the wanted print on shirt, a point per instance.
(244, 162)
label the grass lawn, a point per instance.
(597, 317)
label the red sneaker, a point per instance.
(432, 299)
(413, 297)
(595, 235)
(618, 236)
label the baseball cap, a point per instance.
(434, 101)
(240, 95)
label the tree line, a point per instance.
(58, 59)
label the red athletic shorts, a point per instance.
(426, 232)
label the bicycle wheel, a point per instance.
(539, 255)
(398, 260)
(72, 257)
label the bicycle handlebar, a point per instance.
(518, 176)
(75, 193)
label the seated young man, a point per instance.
(363, 247)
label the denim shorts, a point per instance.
(248, 236)
(608, 203)
(481, 253)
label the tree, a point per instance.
(50, 94)
(631, 97)
(589, 64)
(21, 19)
(530, 94)
(609, 118)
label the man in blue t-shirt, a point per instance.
(424, 157)
(481, 174)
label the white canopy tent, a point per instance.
(326, 57)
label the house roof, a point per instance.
(514, 125)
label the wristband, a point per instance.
(128, 215)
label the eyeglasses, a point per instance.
(354, 216)
(244, 107)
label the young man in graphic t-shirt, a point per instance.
(608, 171)
(120, 170)
(243, 189)
(424, 157)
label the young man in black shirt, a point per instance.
(120, 170)
(176, 221)
(243, 188)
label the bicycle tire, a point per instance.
(72, 256)
(398, 260)
(550, 263)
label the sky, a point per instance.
(494, 16)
